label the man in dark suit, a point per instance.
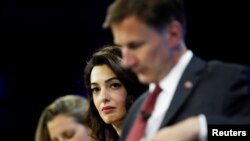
(194, 93)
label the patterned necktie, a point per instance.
(139, 125)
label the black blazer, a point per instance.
(220, 91)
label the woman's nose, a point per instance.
(105, 95)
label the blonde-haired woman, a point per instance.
(63, 120)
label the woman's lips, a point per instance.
(107, 109)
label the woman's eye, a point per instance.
(95, 90)
(115, 85)
(69, 135)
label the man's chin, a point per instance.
(143, 79)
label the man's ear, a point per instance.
(175, 33)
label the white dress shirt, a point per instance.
(168, 85)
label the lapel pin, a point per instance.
(188, 84)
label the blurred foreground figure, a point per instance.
(191, 93)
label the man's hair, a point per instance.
(156, 13)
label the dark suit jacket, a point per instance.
(220, 91)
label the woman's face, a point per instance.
(65, 128)
(109, 94)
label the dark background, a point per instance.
(45, 44)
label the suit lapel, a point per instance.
(184, 89)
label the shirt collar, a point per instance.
(170, 81)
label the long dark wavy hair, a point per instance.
(110, 56)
